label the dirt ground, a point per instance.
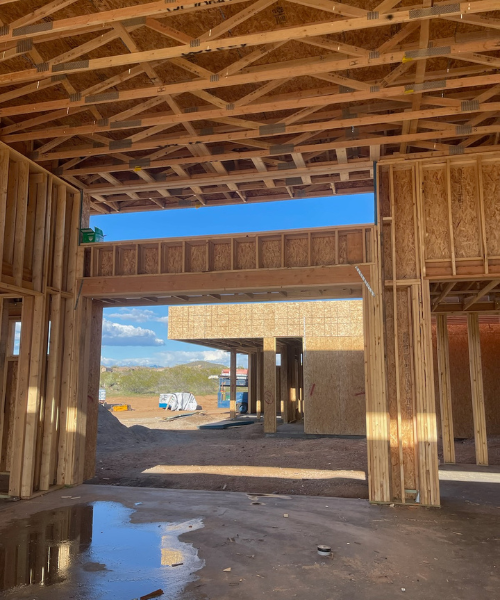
(141, 448)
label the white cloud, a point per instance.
(170, 359)
(139, 315)
(116, 334)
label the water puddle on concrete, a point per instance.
(93, 551)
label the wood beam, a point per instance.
(477, 389)
(443, 356)
(269, 376)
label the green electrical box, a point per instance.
(89, 236)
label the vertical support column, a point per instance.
(377, 416)
(232, 385)
(476, 381)
(284, 385)
(21, 216)
(252, 383)
(4, 335)
(4, 186)
(443, 357)
(260, 380)
(33, 405)
(292, 383)
(21, 396)
(93, 389)
(425, 405)
(270, 385)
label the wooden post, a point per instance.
(284, 387)
(476, 381)
(252, 383)
(33, 406)
(21, 396)
(93, 390)
(269, 385)
(21, 213)
(232, 385)
(4, 335)
(4, 184)
(292, 392)
(260, 379)
(443, 357)
(377, 416)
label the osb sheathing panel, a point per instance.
(334, 399)
(322, 250)
(126, 260)
(221, 257)
(296, 252)
(105, 262)
(465, 211)
(435, 201)
(245, 255)
(171, 259)
(197, 258)
(384, 198)
(284, 319)
(270, 254)
(148, 259)
(404, 217)
(461, 398)
(491, 195)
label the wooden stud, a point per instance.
(21, 404)
(20, 231)
(443, 356)
(269, 372)
(232, 385)
(284, 384)
(4, 186)
(260, 382)
(476, 379)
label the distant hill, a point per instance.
(191, 377)
(203, 364)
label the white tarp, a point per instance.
(179, 401)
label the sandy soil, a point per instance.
(143, 449)
(176, 454)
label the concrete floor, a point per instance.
(105, 542)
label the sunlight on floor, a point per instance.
(243, 471)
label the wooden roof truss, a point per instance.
(177, 103)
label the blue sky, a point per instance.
(138, 336)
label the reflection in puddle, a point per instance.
(93, 551)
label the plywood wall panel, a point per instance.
(105, 262)
(172, 261)
(296, 252)
(355, 247)
(322, 250)
(334, 401)
(245, 255)
(221, 257)
(404, 217)
(126, 260)
(196, 258)
(491, 199)
(148, 259)
(270, 254)
(465, 211)
(435, 204)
